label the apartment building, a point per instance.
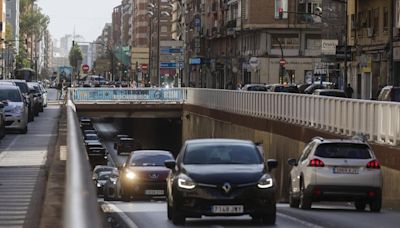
(245, 41)
(369, 36)
(116, 26)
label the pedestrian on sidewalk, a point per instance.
(349, 91)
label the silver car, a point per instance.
(15, 109)
(336, 170)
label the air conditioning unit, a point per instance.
(370, 32)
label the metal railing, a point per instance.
(81, 208)
(380, 121)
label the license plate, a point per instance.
(154, 192)
(227, 209)
(345, 170)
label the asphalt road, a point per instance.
(151, 214)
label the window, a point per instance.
(376, 20)
(343, 151)
(385, 19)
(307, 152)
(369, 19)
(313, 42)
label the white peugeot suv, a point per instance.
(336, 170)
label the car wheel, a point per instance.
(177, 216)
(305, 201)
(360, 205)
(376, 204)
(41, 108)
(293, 202)
(169, 210)
(269, 218)
(24, 130)
(125, 196)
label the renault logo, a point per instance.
(153, 175)
(226, 187)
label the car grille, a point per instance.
(8, 123)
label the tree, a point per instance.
(75, 56)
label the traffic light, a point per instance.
(73, 43)
(280, 11)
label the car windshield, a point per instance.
(343, 150)
(23, 87)
(149, 159)
(104, 175)
(333, 94)
(257, 88)
(12, 95)
(221, 154)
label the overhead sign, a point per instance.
(171, 65)
(328, 47)
(195, 61)
(171, 50)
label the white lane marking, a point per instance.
(123, 216)
(298, 220)
(3, 154)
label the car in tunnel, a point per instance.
(90, 138)
(117, 138)
(220, 177)
(85, 123)
(336, 170)
(143, 175)
(127, 145)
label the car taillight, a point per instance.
(316, 163)
(373, 164)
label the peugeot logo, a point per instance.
(153, 175)
(227, 187)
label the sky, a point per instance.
(87, 17)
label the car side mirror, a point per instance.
(272, 164)
(170, 164)
(292, 162)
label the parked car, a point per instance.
(44, 94)
(36, 100)
(144, 174)
(283, 88)
(38, 94)
(127, 145)
(330, 93)
(2, 121)
(255, 87)
(112, 187)
(23, 86)
(303, 87)
(220, 177)
(16, 110)
(389, 93)
(336, 170)
(313, 87)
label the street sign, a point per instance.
(171, 50)
(340, 53)
(85, 68)
(282, 62)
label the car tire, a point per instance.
(293, 202)
(125, 196)
(360, 205)
(376, 204)
(169, 210)
(305, 201)
(24, 130)
(177, 216)
(41, 108)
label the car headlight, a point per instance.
(185, 182)
(265, 182)
(98, 185)
(130, 175)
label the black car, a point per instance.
(95, 148)
(220, 177)
(144, 175)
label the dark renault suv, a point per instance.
(220, 177)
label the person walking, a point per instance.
(349, 91)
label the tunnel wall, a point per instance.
(281, 141)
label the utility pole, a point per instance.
(392, 80)
(345, 44)
(158, 41)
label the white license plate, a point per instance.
(154, 192)
(345, 170)
(227, 209)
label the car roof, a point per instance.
(329, 90)
(340, 141)
(91, 134)
(94, 142)
(152, 152)
(218, 140)
(13, 87)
